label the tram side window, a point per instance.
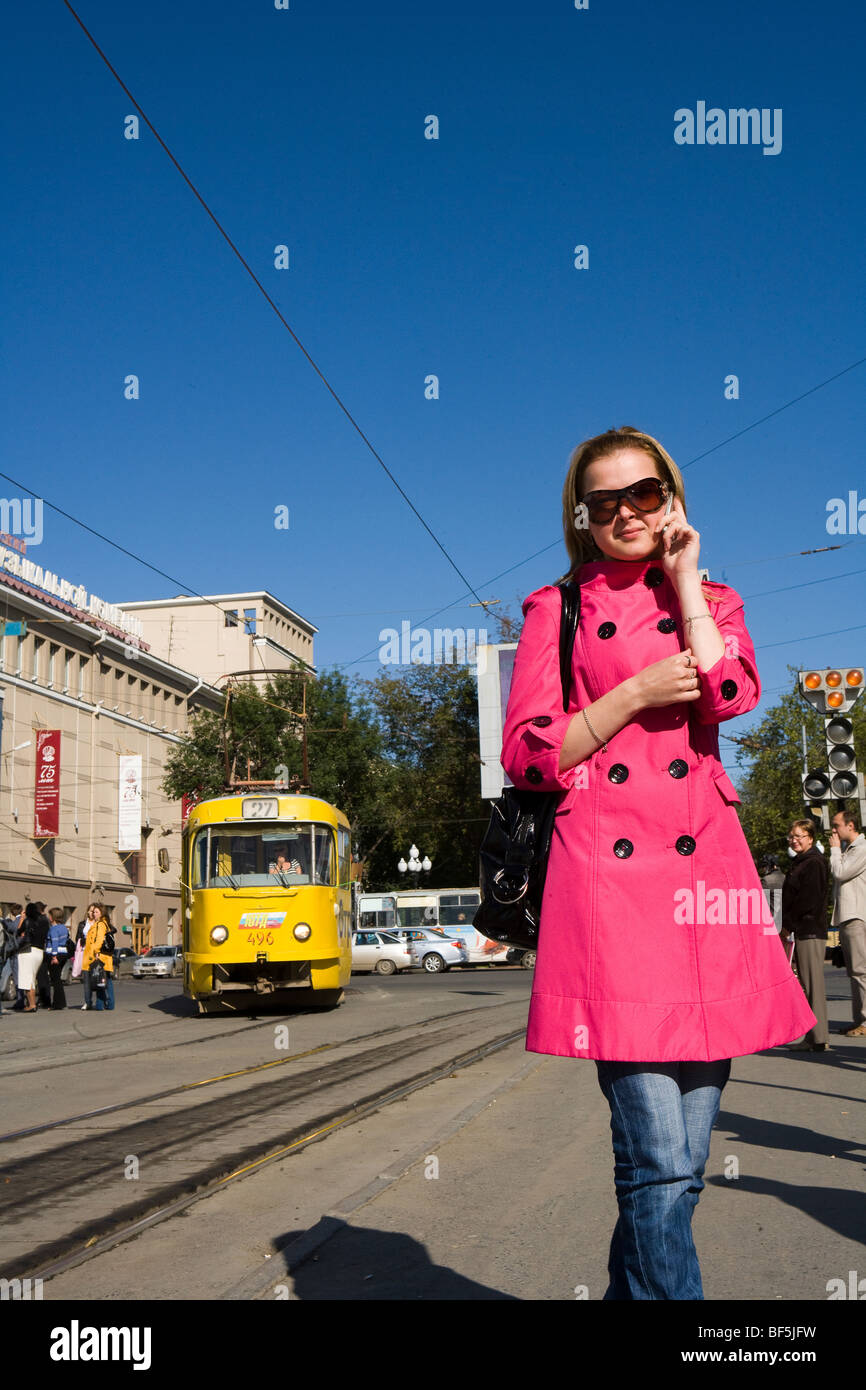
(326, 858)
(344, 856)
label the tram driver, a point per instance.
(285, 866)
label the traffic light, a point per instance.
(833, 692)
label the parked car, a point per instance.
(379, 951)
(124, 956)
(160, 961)
(431, 949)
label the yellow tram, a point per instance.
(266, 902)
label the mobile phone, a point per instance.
(668, 509)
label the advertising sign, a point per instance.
(46, 811)
(494, 683)
(129, 803)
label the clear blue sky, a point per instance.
(455, 257)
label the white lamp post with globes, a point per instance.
(415, 865)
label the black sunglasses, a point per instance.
(646, 495)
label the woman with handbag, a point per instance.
(97, 962)
(657, 956)
(32, 935)
(92, 915)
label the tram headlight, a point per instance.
(303, 931)
(218, 935)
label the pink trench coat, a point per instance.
(647, 950)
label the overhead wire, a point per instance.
(224, 234)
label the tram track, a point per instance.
(189, 1152)
(186, 1086)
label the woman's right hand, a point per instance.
(668, 682)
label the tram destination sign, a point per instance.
(260, 808)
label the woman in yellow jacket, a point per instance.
(99, 946)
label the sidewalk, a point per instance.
(519, 1203)
(524, 1203)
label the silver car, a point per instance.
(160, 961)
(379, 951)
(431, 949)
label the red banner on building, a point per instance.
(46, 819)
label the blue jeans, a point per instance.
(661, 1117)
(105, 994)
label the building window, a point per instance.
(250, 621)
(67, 672)
(82, 670)
(38, 644)
(53, 649)
(231, 617)
(19, 655)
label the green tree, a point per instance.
(346, 764)
(428, 717)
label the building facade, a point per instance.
(250, 635)
(88, 714)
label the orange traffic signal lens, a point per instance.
(854, 678)
(812, 681)
(834, 678)
(835, 699)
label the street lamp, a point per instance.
(415, 864)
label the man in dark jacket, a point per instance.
(804, 916)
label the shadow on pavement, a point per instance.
(837, 1208)
(359, 1263)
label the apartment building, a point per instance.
(88, 714)
(250, 635)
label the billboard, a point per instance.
(46, 802)
(495, 666)
(129, 803)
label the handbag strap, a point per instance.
(570, 595)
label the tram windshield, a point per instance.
(250, 857)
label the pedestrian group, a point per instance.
(36, 946)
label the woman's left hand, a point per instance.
(681, 543)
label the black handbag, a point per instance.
(513, 855)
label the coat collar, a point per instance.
(617, 574)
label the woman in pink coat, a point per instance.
(657, 954)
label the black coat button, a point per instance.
(667, 625)
(678, 768)
(534, 774)
(607, 630)
(542, 720)
(618, 773)
(686, 845)
(623, 848)
(729, 689)
(653, 578)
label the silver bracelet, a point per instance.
(594, 734)
(697, 618)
